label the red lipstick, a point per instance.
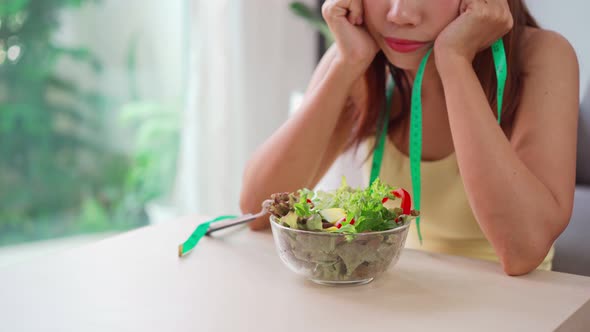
(404, 45)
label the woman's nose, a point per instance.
(404, 13)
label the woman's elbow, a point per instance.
(524, 256)
(515, 267)
(523, 261)
(260, 224)
(248, 204)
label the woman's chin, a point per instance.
(406, 61)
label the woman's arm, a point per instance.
(304, 147)
(521, 191)
(301, 150)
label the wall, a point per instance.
(571, 18)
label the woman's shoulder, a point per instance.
(542, 47)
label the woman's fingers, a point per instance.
(352, 10)
(356, 12)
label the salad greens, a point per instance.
(363, 252)
(346, 210)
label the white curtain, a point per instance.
(246, 59)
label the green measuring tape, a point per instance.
(198, 234)
(500, 63)
(499, 54)
(380, 147)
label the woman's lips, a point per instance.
(404, 45)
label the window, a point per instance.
(90, 98)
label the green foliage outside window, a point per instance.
(58, 173)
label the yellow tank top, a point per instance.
(447, 222)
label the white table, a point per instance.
(236, 282)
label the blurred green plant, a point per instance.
(58, 173)
(156, 137)
(311, 16)
(153, 162)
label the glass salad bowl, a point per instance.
(339, 258)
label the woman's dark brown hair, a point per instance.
(366, 120)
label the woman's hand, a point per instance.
(479, 25)
(356, 47)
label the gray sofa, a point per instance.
(572, 249)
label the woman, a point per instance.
(498, 192)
